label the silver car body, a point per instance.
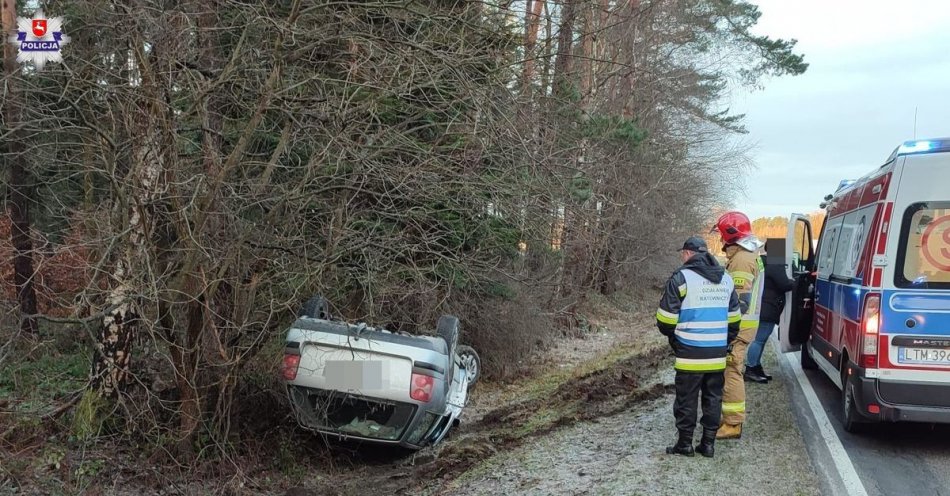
(351, 370)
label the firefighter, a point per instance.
(699, 314)
(744, 265)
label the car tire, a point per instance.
(316, 307)
(808, 363)
(448, 330)
(471, 363)
(851, 419)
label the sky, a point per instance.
(871, 63)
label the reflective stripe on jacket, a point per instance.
(700, 317)
(746, 270)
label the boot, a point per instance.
(755, 374)
(683, 446)
(762, 373)
(729, 431)
(706, 446)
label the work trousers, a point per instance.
(733, 394)
(689, 387)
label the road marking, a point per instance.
(849, 477)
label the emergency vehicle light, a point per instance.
(916, 146)
(920, 146)
(844, 184)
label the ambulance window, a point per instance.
(854, 231)
(923, 255)
(829, 243)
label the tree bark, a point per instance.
(532, 21)
(21, 187)
(188, 356)
(565, 46)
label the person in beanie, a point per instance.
(699, 313)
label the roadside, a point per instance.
(591, 417)
(594, 420)
(623, 454)
(608, 369)
(611, 330)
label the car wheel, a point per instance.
(471, 363)
(316, 307)
(448, 329)
(808, 363)
(851, 419)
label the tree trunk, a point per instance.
(187, 365)
(113, 356)
(21, 187)
(587, 56)
(532, 21)
(111, 362)
(565, 46)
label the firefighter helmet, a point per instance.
(733, 227)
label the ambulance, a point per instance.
(871, 302)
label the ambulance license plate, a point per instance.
(924, 356)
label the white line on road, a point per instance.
(849, 477)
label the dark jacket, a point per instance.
(706, 266)
(773, 298)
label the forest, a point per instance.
(194, 170)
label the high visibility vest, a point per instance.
(750, 320)
(702, 329)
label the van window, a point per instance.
(923, 255)
(828, 245)
(854, 231)
(802, 249)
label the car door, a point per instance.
(795, 323)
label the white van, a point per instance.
(871, 304)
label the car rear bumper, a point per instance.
(916, 404)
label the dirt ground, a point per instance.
(594, 420)
(593, 417)
(623, 455)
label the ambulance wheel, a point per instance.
(851, 419)
(808, 363)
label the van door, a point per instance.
(797, 316)
(915, 301)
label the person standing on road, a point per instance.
(742, 249)
(699, 313)
(777, 284)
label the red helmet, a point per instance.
(733, 226)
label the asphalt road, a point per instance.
(889, 459)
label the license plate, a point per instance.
(346, 375)
(935, 356)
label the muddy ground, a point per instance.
(594, 421)
(623, 454)
(592, 417)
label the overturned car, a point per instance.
(353, 381)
